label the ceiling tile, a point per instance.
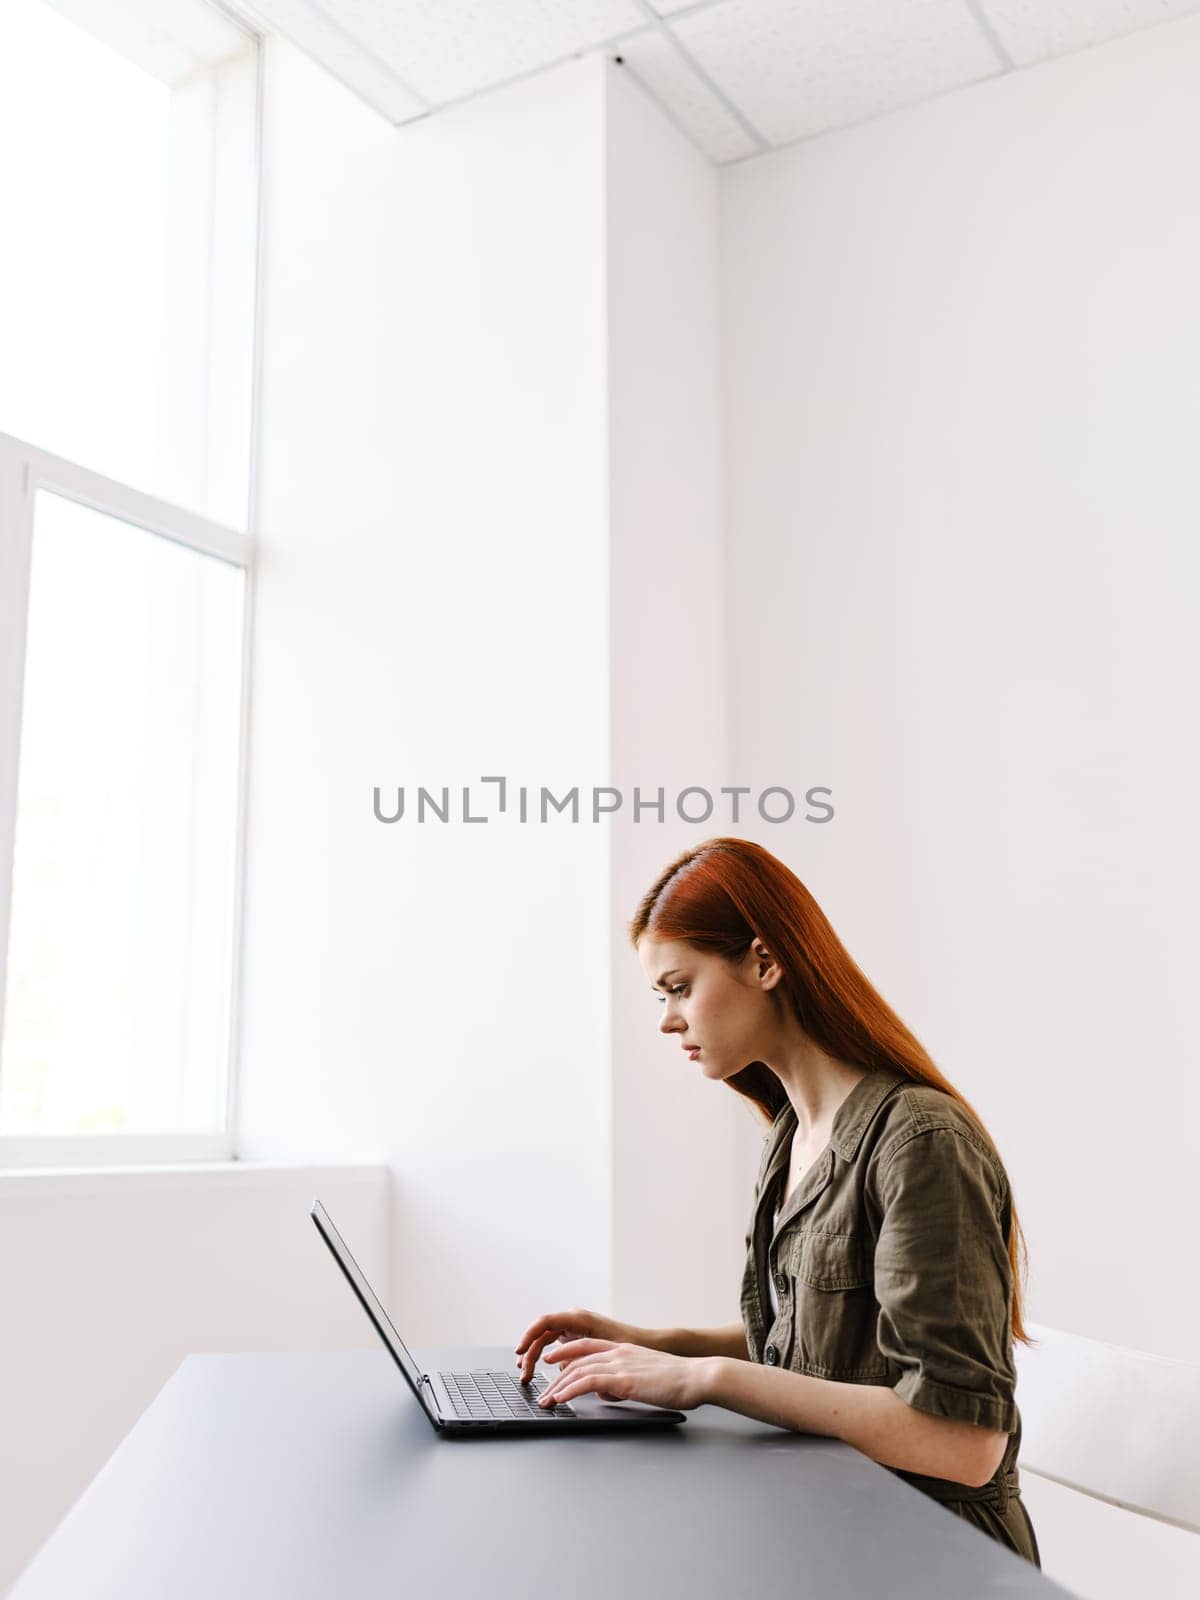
(800, 69)
(667, 8)
(444, 49)
(1036, 30)
(686, 98)
(311, 31)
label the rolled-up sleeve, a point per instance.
(943, 1280)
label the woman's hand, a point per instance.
(616, 1371)
(576, 1323)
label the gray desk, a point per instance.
(305, 1476)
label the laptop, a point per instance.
(491, 1401)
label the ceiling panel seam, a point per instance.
(987, 28)
(734, 110)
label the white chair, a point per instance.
(1110, 1466)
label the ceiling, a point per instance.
(737, 77)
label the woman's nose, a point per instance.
(670, 1023)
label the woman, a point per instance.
(880, 1298)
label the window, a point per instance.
(128, 157)
(127, 165)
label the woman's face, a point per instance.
(724, 1009)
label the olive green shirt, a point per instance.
(890, 1266)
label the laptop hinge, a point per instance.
(429, 1400)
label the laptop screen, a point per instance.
(368, 1298)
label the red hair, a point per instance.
(724, 893)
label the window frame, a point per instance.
(24, 469)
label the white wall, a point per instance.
(960, 348)
(111, 1278)
(432, 608)
(490, 458)
(681, 1195)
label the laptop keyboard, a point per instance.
(499, 1394)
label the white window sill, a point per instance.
(247, 1173)
(46, 1152)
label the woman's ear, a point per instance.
(767, 969)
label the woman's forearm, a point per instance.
(872, 1418)
(727, 1341)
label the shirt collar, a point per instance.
(853, 1116)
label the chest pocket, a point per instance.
(835, 1308)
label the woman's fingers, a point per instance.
(554, 1325)
(532, 1332)
(572, 1349)
(581, 1374)
(552, 1321)
(529, 1360)
(573, 1329)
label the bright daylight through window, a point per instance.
(128, 163)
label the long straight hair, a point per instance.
(723, 894)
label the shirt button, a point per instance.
(781, 1282)
(772, 1355)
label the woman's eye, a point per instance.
(678, 989)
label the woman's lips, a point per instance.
(692, 1050)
